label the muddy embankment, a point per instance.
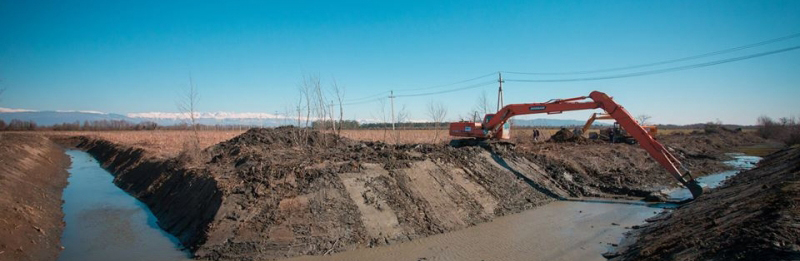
(596, 168)
(754, 216)
(274, 193)
(32, 178)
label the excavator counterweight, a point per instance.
(495, 127)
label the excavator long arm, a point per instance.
(616, 111)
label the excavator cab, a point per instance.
(503, 133)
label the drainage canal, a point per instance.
(105, 223)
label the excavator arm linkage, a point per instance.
(600, 100)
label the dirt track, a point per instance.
(273, 193)
(754, 216)
(32, 177)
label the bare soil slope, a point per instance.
(596, 168)
(754, 216)
(32, 178)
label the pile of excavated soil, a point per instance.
(565, 135)
(754, 216)
(291, 192)
(32, 177)
(273, 193)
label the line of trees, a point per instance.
(785, 129)
(104, 125)
(17, 125)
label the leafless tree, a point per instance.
(437, 112)
(188, 105)
(382, 117)
(483, 106)
(643, 119)
(402, 116)
(339, 92)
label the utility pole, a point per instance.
(391, 97)
(500, 91)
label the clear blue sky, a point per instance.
(135, 56)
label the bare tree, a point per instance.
(483, 104)
(339, 92)
(188, 105)
(437, 112)
(643, 119)
(306, 92)
(402, 116)
(382, 117)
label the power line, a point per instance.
(424, 88)
(363, 102)
(482, 84)
(450, 90)
(672, 69)
(667, 61)
(449, 84)
(381, 94)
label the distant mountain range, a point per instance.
(48, 118)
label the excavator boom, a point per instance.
(491, 128)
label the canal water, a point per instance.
(105, 223)
(740, 162)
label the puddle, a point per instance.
(105, 223)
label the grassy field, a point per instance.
(171, 142)
(159, 142)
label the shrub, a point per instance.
(786, 129)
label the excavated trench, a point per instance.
(105, 223)
(276, 193)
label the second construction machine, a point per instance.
(495, 127)
(613, 134)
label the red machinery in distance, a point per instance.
(495, 127)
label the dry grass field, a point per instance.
(159, 142)
(171, 142)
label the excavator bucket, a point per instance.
(695, 188)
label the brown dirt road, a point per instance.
(32, 178)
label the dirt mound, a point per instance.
(712, 144)
(754, 216)
(288, 136)
(565, 135)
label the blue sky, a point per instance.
(250, 56)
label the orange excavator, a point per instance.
(496, 127)
(614, 131)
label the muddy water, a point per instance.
(557, 231)
(105, 223)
